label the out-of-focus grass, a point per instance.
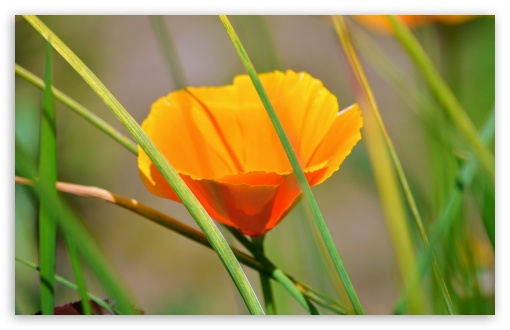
(127, 57)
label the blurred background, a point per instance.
(169, 274)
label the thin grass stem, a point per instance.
(48, 177)
(298, 171)
(71, 285)
(79, 110)
(180, 188)
(78, 276)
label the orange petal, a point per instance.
(338, 142)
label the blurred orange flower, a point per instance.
(222, 143)
(379, 23)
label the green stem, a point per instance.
(298, 171)
(267, 290)
(78, 276)
(48, 177)
(439, 87)
(180, 188)
(80, 110)
(71, 285)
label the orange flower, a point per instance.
(222, 143)
(379, 23)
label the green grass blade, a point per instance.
(343, 34)
(80, 110)
(445, 220)
(48, 177)
(171, 176)
(70, 285)
(75, 231)
(169, 52)
(444, 94)
(307, 191)
(78, 276)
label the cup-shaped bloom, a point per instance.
(222, 143)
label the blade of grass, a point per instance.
(445, 220)
(394, 208)
(76, 232)
(384, 173)
(307, 191)
(343, 34)
(171, 176)
(80, 110)
(169, 52)
(70, 285)
(444, 94)
(48, 177)
(78, 276)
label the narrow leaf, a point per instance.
(48, 177)
(79, 110)
(171, 176)
(298, 171)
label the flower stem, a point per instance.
(267, 290)
(171, 176)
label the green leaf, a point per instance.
(48, 177)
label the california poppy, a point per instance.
(222, 143)
(380, 24)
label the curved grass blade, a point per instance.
(78, 276)
(450, 103)
(169, 52)
(343, 34)
(307, 191)
(80, 110)
(75, 231)
(445, 220)
(171, 176)
(48, 177)
(71, 285)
